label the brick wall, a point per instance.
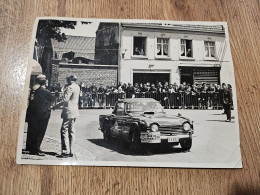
(88, 75)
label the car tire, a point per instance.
(135, 141)
(186, 144)
(106, 132)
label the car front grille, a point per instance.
(173, 130)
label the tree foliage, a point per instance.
(51, 29)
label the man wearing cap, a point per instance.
(38, 115)
(69, 114)
(227, 101)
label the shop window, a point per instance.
(162, 47)
(139, 46)
(186, 48)
(209, 49)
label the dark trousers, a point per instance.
(227, 110)
(35, 133)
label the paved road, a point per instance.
(216, 141)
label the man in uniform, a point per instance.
(227, 101)
(38, 115)
(69, 114)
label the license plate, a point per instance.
(173, 139)
(153, 137)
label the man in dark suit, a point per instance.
(130, 91)
(227, 102)
(38, 115)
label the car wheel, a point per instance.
(106, 132)
(135, 141)
(186, 144)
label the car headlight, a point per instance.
(154, 127)
(186, 126)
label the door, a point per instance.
(186, 75)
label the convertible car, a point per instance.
(142, 121)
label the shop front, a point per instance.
(208, 75)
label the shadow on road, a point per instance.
(123, 148)
(221, 121)
(44, 152)
(50, 153)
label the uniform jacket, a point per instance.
(71, 99)
(227, 96)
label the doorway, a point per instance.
(152, 78)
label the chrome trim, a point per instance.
(179, 136)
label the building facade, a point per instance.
(146, 52)
(107, 44)
(174, 53)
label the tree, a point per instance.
(47, 30)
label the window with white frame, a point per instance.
(209, 49)
(186, 48)
(162, 47)
(139, 48)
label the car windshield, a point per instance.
(144, 107)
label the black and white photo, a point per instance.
(145, 93)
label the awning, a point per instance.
(36, 67)
(216, 65)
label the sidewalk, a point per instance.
(52, 149)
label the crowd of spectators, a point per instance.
(202, 93)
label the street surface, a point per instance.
(215, 141)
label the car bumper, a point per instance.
(156, 137)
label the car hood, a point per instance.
(163, 119)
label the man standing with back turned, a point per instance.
(69, 114)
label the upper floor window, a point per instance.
(162, 47)
(186, 48)
(209, 49)
(139, 46)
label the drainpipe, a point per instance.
(119, 55)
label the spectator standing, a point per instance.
(171, 89)
(38, 115)
(165, 87)
(227, 102)
(210, 91)
(101, 95)
(221, 95)
(159, 87)
(93, 90)
(153, 89)
(148, 87)
(130, 91)
(137, 88)
(204, 98)
(69, 114)
(187, 96)
(142, 88)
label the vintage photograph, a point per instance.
(145, 93)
